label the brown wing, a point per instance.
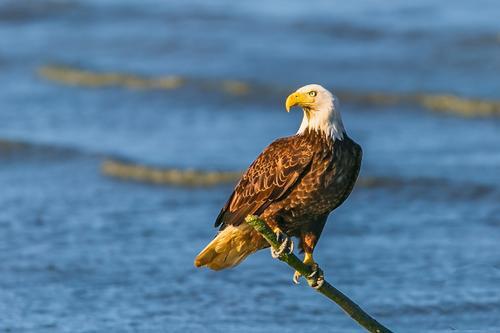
(271, 176)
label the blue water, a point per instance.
(81, 252)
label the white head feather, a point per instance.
(323, 115)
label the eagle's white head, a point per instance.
(321, 110)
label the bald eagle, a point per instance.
(293, 185)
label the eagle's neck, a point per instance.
(325, 119)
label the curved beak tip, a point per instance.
(290, 102)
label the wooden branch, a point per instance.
(351, 308)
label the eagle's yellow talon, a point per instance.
(296, 277)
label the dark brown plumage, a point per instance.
(293, 181)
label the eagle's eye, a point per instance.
(312, 93)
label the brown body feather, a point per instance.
(294, 184)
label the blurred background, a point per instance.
(125, 124)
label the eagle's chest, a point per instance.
(327, 184)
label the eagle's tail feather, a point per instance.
(230, 247)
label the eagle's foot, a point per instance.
(286, 245)
(315, 279)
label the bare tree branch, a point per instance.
(351, 308)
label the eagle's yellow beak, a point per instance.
(298, 98)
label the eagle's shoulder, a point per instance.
(275, 171)
(354, 148)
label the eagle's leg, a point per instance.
(316, 278)
(308, 240)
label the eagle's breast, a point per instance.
(331, 176)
